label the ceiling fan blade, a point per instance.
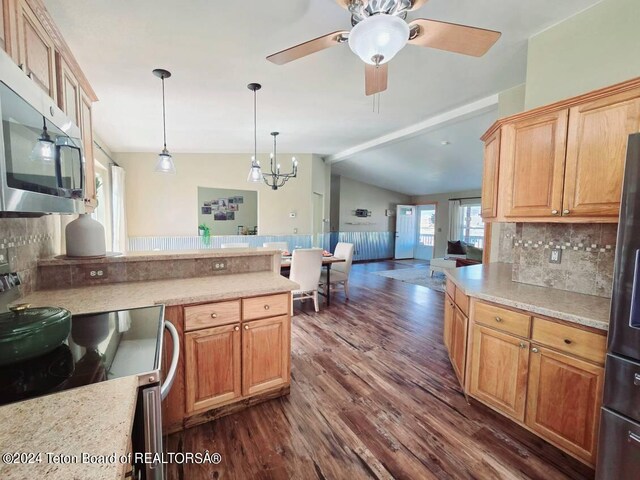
(375, 78)
(417, 4)
(307, 48)
(453, 37)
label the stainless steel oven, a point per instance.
(41, 158)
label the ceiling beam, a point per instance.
(452, 116)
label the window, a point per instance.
(472, 226)
(102, 212)
(427, 226)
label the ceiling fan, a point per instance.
(380, 31)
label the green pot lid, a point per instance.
(23, 319)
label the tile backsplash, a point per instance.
(588, 252)
(25, 240)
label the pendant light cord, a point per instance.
(255, 126)
(164, 119)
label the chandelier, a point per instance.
(275, 178)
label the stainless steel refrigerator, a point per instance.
(619, 445)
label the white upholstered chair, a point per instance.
(340, 271)
(306, 265)
(282, 246)
(235, 245)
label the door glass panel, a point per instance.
(39, 157)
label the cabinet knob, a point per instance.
(567, 341)
(266, 307)
(246, 327)
(21, 66)
(30, 75)
(498, 319)
(237, 328)
(214, 315)
(523, 345)
(535, 350)
(566, 212)
(554, 212)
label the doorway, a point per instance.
(425, 231)
(405, 231)
(318, 220)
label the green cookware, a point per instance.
(30, 332)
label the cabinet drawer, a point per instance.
(462, 301)
(211, 315)
(502, 319)
(451, 288)
(267, 306)
(582, 343)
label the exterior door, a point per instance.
(499, 367)
(405, 231)
(425, 231)
(212, 366)
(563, 400)
(533, 153)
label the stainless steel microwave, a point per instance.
(41, 158)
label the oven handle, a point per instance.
(171, 374)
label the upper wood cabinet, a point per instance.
(265, 354)
(86, 129)
(68, 90)
(563, 162)
(596, 154)
(212, 366)
(563, 400)
(490, 175)
(36, 51)
(498, 372)
(533, 154)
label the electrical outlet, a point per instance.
(221, 265)
(96, 273)
(555, 256)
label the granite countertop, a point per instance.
(96, 420)
(493, 283)
(118, 296)
(161, 255)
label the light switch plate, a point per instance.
(555, 256)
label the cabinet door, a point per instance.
(532, 156)
(499, 365)
(596, 154)
(36, 49)
(68, 90)
(490, 176)
(212, 367)
(86, 130)
(448, 322)
(458, 350)
(265, 354)
(564, 399)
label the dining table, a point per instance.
(327, 261)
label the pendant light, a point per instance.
(276, 179)
(165, 161)
(255, 173)
(45, 149)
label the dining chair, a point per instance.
(282, 246)
(340, 271)
(306, 265)
(235, 245)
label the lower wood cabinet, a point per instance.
(449, 310)
(213, 368)
(265, 354)
(498, 373)
(563, 400)
(458, 351)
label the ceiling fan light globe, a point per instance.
(378, 38)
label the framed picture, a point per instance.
(232, 200)
(239, 199)
(214, 203)
(233, 207)
(207, 204)
(218, 215)
(223, 203)
(206, 210)
(231, 215)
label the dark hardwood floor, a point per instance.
(373, 395)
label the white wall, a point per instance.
(160, 204)
(442, 215)
(354, 194)
(594, 49)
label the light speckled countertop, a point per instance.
(162, 255)
(118, 296)
(493, 283)
(95, 420)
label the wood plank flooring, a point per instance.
(373, 395)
